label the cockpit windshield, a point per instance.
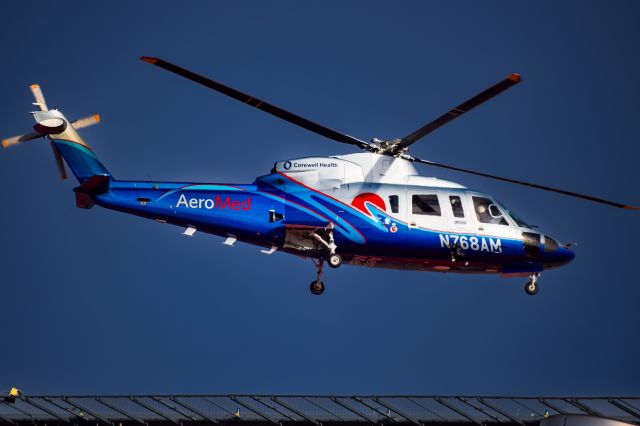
(517, 219)
(489, 211)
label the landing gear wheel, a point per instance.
(531, 287)
(317, 287)
(335, 260)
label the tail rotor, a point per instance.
(49, 122)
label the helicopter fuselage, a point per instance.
(376, 211)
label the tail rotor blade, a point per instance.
(86, 122)
(59, 161)
(529, 184)
(17, 140)
(39, 97)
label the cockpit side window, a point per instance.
(425, 205)
(488, 212)
(456, 206)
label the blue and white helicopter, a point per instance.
(369, 208)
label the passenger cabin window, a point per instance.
(456, 206)
(487, 212)
(393, 202)
(427, 205)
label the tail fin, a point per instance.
(78, 155)
(66, 143)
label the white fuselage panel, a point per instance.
(332, 172)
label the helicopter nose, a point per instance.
(556, 254)
(566, 255)
(559, 257)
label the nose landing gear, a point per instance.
(531, 287)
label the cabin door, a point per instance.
(459, 212)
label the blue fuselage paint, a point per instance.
(369, 238)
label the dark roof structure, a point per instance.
(265, 410)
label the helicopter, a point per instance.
(369, 208)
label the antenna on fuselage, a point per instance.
(155, 185)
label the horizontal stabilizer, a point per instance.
(93, 186)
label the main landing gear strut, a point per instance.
(531, 287)
(317, 286)
(325, 238)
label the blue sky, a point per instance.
(100, 302)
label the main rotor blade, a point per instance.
(257, 103)
(456, 112)
(529, 184)
(39, 97)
